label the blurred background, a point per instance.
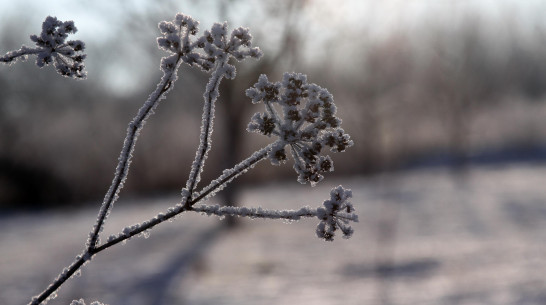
(445, 101)
(417, 83)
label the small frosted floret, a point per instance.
(307, 124)
(179, 37)
(52, 48)
(336, 214)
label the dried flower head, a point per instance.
(307, 124)
(52, 48)
(206, 50)
(337, 213)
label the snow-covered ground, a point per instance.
(424, 237)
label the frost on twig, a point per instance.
(336, 213)
(221, 211)
(177, 31)
(211, 50)
(228, 175)
(52, 48)
(307, 124)
(217, 48)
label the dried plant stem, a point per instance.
(256, 212)
(229, 174)
(306, 130)
(185, 205)
(23, 52)
(210, 96)
(65, 275)
(126, 153)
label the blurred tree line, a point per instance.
(410, 94)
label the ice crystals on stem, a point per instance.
(216, 50)
(335, 214)
(307, 124)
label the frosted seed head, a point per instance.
(52, 48)
(308, 122)
(336, 214)
(210, 47)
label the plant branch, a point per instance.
(63, 277)
(210, 96)
(329, 214)
(229, 174)
(186, 204)
(126, 153)
(21, 53)
(255, 212)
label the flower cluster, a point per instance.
(52, 47)
(307, 124)
(214, 44)
(68, 55)
(337, 213)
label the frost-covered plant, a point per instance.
(306, 123)
(52, 47)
